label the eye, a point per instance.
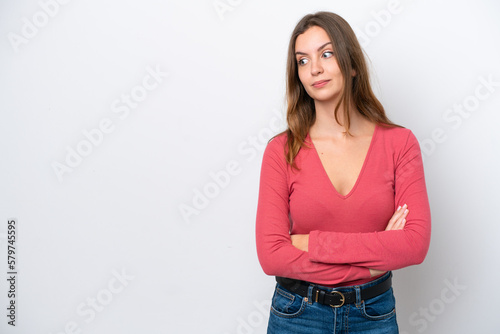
(302, 61)
(327, 54)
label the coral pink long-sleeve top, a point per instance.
(346, 233)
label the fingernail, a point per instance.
(406, 211)
(399, 207)
(404, 206)
(404, 221)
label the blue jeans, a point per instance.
(294, 314)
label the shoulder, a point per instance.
(397, 137)
(277, 144)
(274, 154)
(394, 132)
(400, 141)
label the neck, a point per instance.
(326, 126)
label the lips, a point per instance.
(320, 83)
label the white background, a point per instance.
(119, 210)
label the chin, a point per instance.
(326, 98)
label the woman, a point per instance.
(335, 192)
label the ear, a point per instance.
(353, 73)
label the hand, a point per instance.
(300, 241)
(397, 222)
(375, 272)
(398, 219)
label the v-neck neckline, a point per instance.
(365, 162)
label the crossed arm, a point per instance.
(321, 256)
(397, 222)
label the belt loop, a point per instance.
(310, 291)
(358, 295)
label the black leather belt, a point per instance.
(334, 298)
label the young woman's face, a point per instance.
(317, 65)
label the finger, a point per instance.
(401, 221)
(396, 222)
(400, 224)
(393, 219)
(399, 212)
(396, 217)
(403, 215)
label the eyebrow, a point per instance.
(321, 47)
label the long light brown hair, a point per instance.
(301, 112)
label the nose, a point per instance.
(316, 67)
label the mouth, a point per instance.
(320, 83)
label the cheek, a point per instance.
(337, 71)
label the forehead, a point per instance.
(311, 40)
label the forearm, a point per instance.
(280, 258)
(386, 250)
(396, 223)
(400, 245)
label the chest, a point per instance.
(343, 162)
(363, 201)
